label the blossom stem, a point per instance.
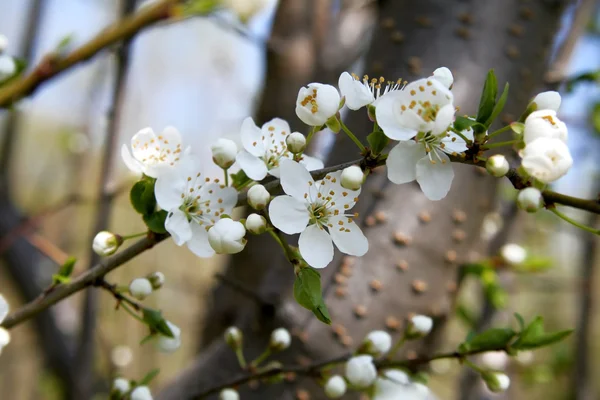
(474, 366)
(351, 136)
(134, 235)
(310, 134)
(499, 131)
(575, 223)
(239, 353)
(226, 176)
(500, 144)
(132, 313)
(258, 360)
(397, 347)
(463, 137)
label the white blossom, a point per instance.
(497, 165)
(3, 43)
(227, 236)
(546, 159)
(497, 382)
(4, 334)
(319, 211)
(360, 371)
(229, 394)
(359, 93)
(316, 103)
(296, 142)
(513, 254)
(121, 385)
(258, 197)
(544, 124)
(496, 360)
(233, 337)
(106, 243)
(530, 199)
(169, 344)
(396, 385)
(224, 152)
(193, 203)
(352, 177)
(157, 279)
(265, 148)
(7, 66)
(378, 342)
(549, 100)
(140, 288)
(444, 75)
(153, 154)
(335, 387)
(421, 325)
(141, 393)
(256, 224)
(280, 339)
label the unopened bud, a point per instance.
(296, 142)
(495, 381)
(530, 199)
(157, 279)
(333, 124)
(169, 344)
(106, 243)
(258, 197)
(497, 165)
(224, 152)
(121, 386)
(280, 339)
(513, 254)
(352, 177)
(227, 236)
(256, 224)
(419, 326)
(377, 343)
(234, 337)
(335, 387)
(141, 393)
(549, 100)
(140, 288)
(361, 371)
(229, 394)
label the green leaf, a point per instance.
(307, 292)
(520, 320)
(63, 45)
(66, 269)
(492, 339)
(534, 336)
(496, 295)
(142, 196)
(534, 264)
(475, 269)
(499, 106)
(488, 98)
(377, 141)
(239, 179)
(596, 118)
(156, 322)
(466, 316)
(149, 376)
(156, 221)
(462, 123)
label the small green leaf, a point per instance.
(517, 127)
(520, 320)
(63, 45)
(596, 118)
(66, 269)
(462, 123)
(466, 316)
(534, 264)
(377, 141)
(156, 221)
(239, 179)
(59, 279)
(499, 106)
(475, 269)
(488, 98)
(142, 196)
(156, 322)
(307, 292)
(492, 339)
(534, 336)
(496, 295)
(149, 376)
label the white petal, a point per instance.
(316, 247)
(220, 200)
(311, 163)
(131, 163)
(331, 185)
(387, 118)
(402, 161)
(288, 214)
(3, 308)
(444, 75)
(172, 183)
(454, 143)
(198, 243)
(178, 226)
(253, 166)
(357, 95)
(435, 179)
(251, 138)
(143, 144)
(274, 134)
(443, 119)
(171, 135)
(353, 243)
(295, 179)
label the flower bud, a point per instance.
(495, 360)
(530, 199)
(497, 165)
(157, 279)
(513, 254)
(121, 386)
(420, 325)
(334, 124)
(224, 152)
(141, 393)
(495, 381)
(258, 197)
(377, 343)
(227, 236)
(233, 337)
(4, 338)
(360, 371)
(546, 159)
(317, 103)
(352, 177)
(280, 339)
(335, 387)
(229, 394)
(296, 142)
(7, 66)
(106, 243)
(256, 224)
(549, 100)
(140, 288)
(544, 124)
(169, 344)
(444, 76)
(3, 43)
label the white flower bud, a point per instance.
(4, 338)
(121, 385)
(549, 100)
(360, 371)
(280, 339)
(157, 279)
(233, 337)
(258, 197)
(3, 43)
(546, 159)
(140, 288)
(229, 394)
(497, 165)
(256, 224)
(296, 142)
(224, 152)
(141, 393)
(7, 66)
(495, 360)
(167, 344)
(444, 76)
(377, 343)
(316, 103)
(420, 325)
(544, 124)
(106, 243)
(352, 177)
(335, 387)
(227, 236)
(513, 254)
(495, 381)
(530, 199)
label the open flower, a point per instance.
(150, 153)
(316, 103)
(546, 159)
(265, 148)
(360, 93)
(4, 335)
(314, 208)
(193, 203)
(395, 384)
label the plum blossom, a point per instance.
(544, 123)
(319, 212)
(546, 159)
(4, 335)
(360, 371)
(549, 100)
(227, 236)
(444, 75)
(396, 385)
(265, 148)
(151, 153)
(359, 93)
(194, 204)
(316, 103)
(530, 199)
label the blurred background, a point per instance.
(203, 75)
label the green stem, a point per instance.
(500, 144)
(132, 313)
(473, 366)
(463, 137)
(499, 131)
(134, 235)
(351, 136)
(310, 134)
(239, 353)
(397, 347)
(575, 223)
(226, 176)
(286, 248)
(258, 360)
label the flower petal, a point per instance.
(443, 119)
(253, 166)
(435, 179)
(288, 214)
(387, 117)
(273, 135)
(311, 163)
(251, 138)
(454, 143)
(3, 308)
(402, 161)
(357, 95)
(220, 200)
(131, 163)
(316, 247)
(178, 226)
(198, 243)
(171, 184)
(295, 179)
(348, 237)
